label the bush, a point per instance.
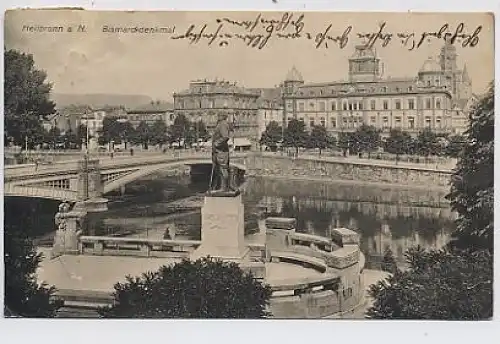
(205, 288)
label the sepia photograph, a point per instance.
(244, 164)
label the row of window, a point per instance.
(243, 103)
(383, 89)
(357, 121)
(358, 105)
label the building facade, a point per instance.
(433, 99)
(205, 99)
(151, 113)
(270, 107)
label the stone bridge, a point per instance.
(79, 180)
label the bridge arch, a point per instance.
(146, 170)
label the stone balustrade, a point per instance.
(338, 252)
(140, 247)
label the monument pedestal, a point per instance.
(66, 238)
(222, 228)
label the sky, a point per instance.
(155, 65)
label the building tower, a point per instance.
(293, 81)
(448, 62)
(364, 65)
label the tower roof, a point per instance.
(465, 74)
(294, 75)
(430, 66)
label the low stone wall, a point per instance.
(341, 257)
(338, 169)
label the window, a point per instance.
(301, 106)
(344, 106)
(398, 122)
(372, 104)
(411, 123)
(360, 106)
(333, 121)
(354, 106)
(386, 121)
(438, 122)
(398, 104)
(428, 122)
(322, 106)
(311, 122)
(311, 105)
(410, 89)
(301, 119)
(411, 104)
(334, 106)
(438, 103)
(373, 119)
(350, 106)
(323, 122)
(386, 104)
(427, 103)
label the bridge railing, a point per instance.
(142, 247)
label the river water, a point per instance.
(168, 206)
(164, 206)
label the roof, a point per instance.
(154, 107)
(294, 75)
(215, 87)
(269, 97)
(430, 66)
(382, 86)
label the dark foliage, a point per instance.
(26, 98)
(471, 192)
(205, 288)
(439, 285)
(23, 295)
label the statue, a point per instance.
(220, 158)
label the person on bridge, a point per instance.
(220, 155)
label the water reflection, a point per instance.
(166, 206)
(385, 217)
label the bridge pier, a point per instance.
(71, 222)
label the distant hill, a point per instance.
(99, 100)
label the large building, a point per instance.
(205, 99)
(434, 98)
(150, 113)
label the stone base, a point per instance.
(222, 229)
(95, 205)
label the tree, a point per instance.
(438, 285)
(456, 144)
(319, 138)
(142, 135)
(52, 136)
(367, 139)
(427, 143)
(389, 262)
(343, 142)
(179, 131)
(201, 130)
(399, 142)
(111, 131)
(295, 135)
(205, 288)
(272, 135)
(23, 295)
(27, 98)
(159, 133)
(471, 194)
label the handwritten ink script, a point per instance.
(259, 32)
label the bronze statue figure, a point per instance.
(220, 157)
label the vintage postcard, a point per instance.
(248, 164)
